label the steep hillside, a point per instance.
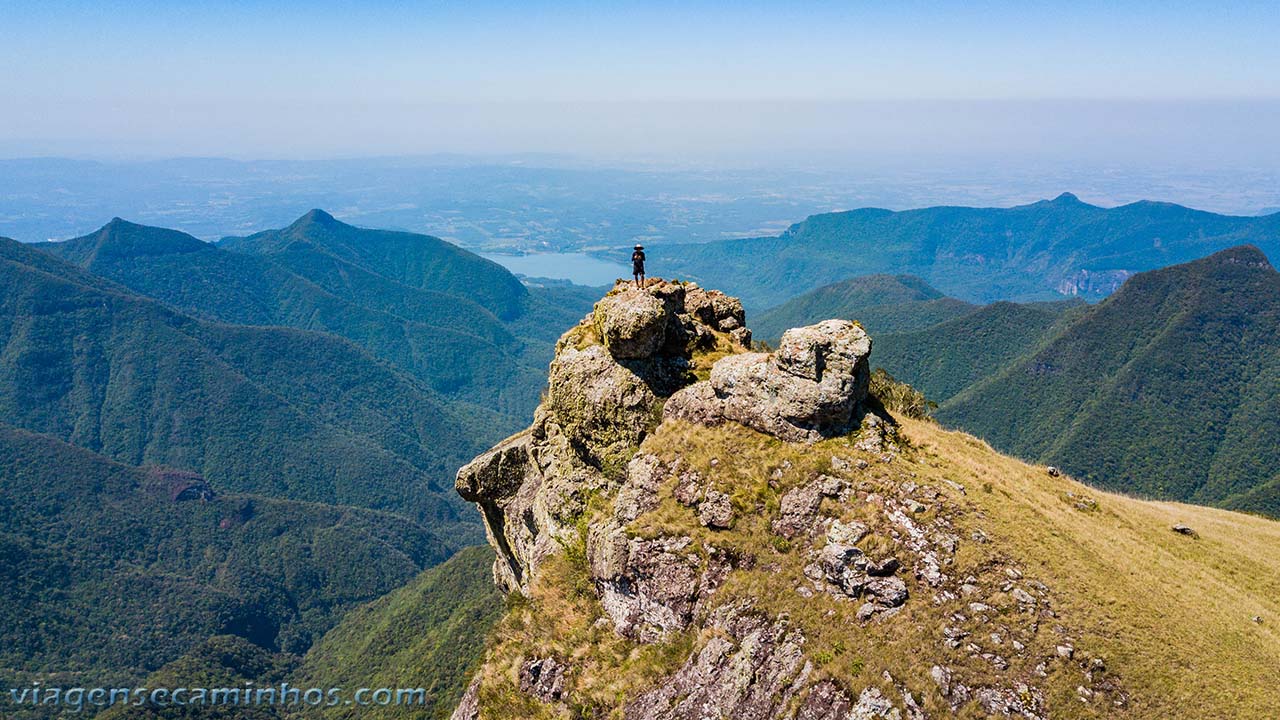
(343, 259)
(1182, 399)
(943, 359)
(110, 571)
(276, 411)
(882, 303)
(1036, 251)
(428, 634)
(769, 542)
(432, 330)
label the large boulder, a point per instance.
(632, 324)
(812, 387)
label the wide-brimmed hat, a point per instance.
(639, 247)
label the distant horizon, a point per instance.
(753, 82)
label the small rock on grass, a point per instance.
(1185, 530)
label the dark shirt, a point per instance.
(637, 261)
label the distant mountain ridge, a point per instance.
(1029, 252)
(426, 306)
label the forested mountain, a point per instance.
(278, 411)
(1183, 365)
(1031, 252)
(944, 359)
(108, 571)
(1170, 388)
(882, 303)
(462, 324)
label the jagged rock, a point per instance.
(602, 406)
(884, 568)
(846, 533)
(751, 669)
(888, 592)
(648, 588)
(1185, 530)
(496, 474)
(715, 511)
(843, 566)
(639, 493)
(632, 323)
(544, 679)
(811, 388)
(688, 488)
(797, 510)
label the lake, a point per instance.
(578, 268)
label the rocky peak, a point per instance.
(608, 513)
(611, 375)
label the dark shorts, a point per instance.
(637, 268)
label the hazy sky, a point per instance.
(1175, 80)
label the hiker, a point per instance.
(637, 265)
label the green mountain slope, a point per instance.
(447, 339)
(428, 634)
(882, 303)
(944, 359)
(1168, 388)
(341, 257)
(1034, 251)
(277, 411)
(110, 571)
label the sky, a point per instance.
(1177, 81)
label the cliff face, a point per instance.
(693, 530)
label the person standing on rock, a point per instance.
(637, 265)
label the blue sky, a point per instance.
(333, 78)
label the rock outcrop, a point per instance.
(811, 388)
(608, 382)
(659, 539)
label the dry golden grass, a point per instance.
(1171, 615)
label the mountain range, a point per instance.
(242, 440)
(460, 323)
(1181, 361)
(1042, 251)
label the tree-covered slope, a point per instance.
(428, 634)
(943, 359)
(446, 339)
(1169, 388)
(325, 250)
(277, 411)
(109, 571)
(1035, 251)
(882, 303)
